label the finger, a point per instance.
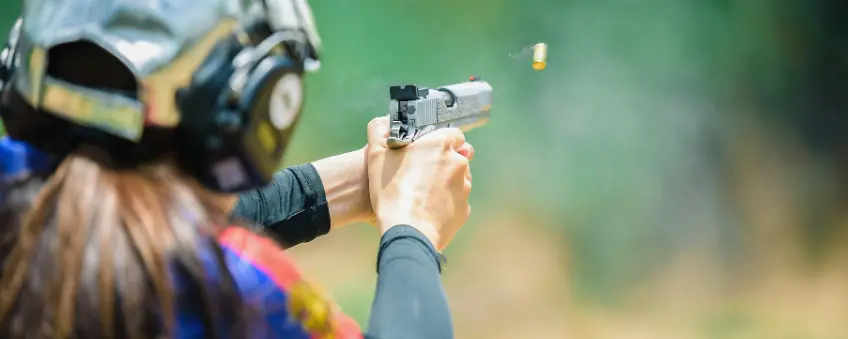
(467, 151)
(452, 137)
(378, 130)
(460, 164)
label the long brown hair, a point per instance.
(94, 254)
(105, 250)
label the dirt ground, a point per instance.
(690, 298)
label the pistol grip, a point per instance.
(395, 143)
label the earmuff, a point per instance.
(241, 106)
(239, 109)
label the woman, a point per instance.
(121, 239)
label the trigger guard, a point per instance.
(395, 143)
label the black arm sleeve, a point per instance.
(410, 302)
(293, 208)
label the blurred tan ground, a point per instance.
(512, 280)
(527, 296)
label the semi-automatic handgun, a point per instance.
(415, 111)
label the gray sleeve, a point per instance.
(293, 207)
(409, 302)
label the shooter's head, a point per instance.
(216, 83)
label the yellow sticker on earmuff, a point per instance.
(265, 135)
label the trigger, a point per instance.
(396, 129)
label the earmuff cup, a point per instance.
(229, 140)
(266, 140)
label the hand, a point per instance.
(424, 185)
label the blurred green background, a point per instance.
(676, 172)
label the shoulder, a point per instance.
(269, 279)
(255, 252)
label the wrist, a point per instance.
(362, 211)
(345, 179)
(426, 228)
(402, 233)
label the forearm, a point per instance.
(410, 301)
(304, 202)
(345, 181)
(292, 208)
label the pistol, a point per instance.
(415, 111)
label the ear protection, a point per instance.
(241, 107)
(239, 110)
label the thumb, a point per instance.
(378, 130)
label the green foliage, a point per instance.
(610, 140)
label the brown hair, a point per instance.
(102, 242)
(103, 249)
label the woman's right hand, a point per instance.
(424, 185)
